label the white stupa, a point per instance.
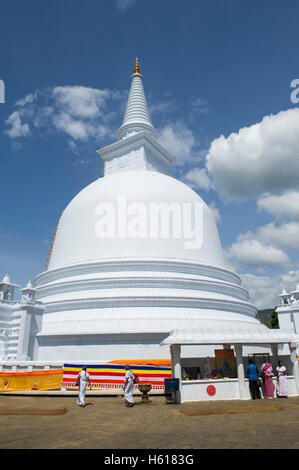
(121, 276)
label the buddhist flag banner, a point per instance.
(110, 376)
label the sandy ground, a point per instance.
(105, 423)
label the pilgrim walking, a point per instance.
(282, 381)
(82, 380)
(128, 387)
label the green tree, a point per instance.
(274, 318)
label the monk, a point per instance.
(83, 379)
(128, 387)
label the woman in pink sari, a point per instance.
(268, 387)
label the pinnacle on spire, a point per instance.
(137, 116)
(137, 68)
(6, 279)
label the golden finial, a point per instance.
(137, 68)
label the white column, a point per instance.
(175, 351)
(295, 321)
(240, 370)
(294, 360)
(31, 322)
(24, 336)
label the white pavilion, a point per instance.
(130, 277)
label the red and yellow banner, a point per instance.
(111, 375)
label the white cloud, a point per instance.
(27, 99)
(124, 4)
(286, 234)
(264, 291)
(198, 178)
(83, 162)
(81, 102)
(255, 254)
(285, 205)
(162, 107)
(78, 130)
(179, 141)
(215, 211)
(279, 234)
(17, 129)
(16, 146)
(79, 112)
(261, 158)
(200, 106)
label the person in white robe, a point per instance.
(84, 378)
(282, 381)
(128, 387)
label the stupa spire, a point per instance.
(137, 68)
(137, 116)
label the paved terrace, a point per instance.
(106, 423)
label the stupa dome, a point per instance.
(78, 241)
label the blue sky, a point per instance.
(210, 69)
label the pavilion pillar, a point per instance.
(31, 323)
(175, 352)
(274, 349)
(294, 360)
(240, 370)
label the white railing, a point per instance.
(28, 366)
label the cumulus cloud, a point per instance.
(198, 178)
(255, 254)
(285, 205)
(257, 159)
(81, 101)
(285, 234)
(279, 234)
(78, 112)
(179, 141)
(77, 129)
(264, 291)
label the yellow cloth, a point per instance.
(37, 380)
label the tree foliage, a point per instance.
(274, 318)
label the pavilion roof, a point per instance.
(257, 335)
